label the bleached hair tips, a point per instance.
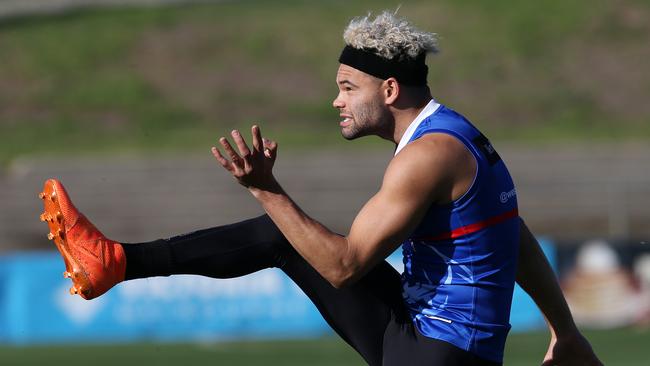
(389, 36)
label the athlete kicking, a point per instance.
(446, 198)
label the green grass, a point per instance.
(176, 77)
(620, 347)
(328, 351)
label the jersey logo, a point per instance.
(487, 149)
(505, 196)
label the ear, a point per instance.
(391, 90)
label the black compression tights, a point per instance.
(369, 315)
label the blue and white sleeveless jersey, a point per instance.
(460, 262)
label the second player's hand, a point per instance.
(253, 168)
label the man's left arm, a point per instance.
(535, 275)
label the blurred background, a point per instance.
(122, 99)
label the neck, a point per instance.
(405, 116)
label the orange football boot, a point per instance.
(93, 262)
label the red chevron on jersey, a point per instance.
(472, 228)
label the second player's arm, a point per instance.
(419, 175)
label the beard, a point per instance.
(369, 119)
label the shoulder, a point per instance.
(432, 164)
(433, 150)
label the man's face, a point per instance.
(360, 103)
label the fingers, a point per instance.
(235, 161)
(270, 148)
(257, 138)
(241, 145)
(222, 161)
(228, 149)
(242, 162)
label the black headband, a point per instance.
(408, 71)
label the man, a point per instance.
(446, 198)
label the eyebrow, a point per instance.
(346, 81)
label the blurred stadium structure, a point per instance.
(591, 199)
(567, 193)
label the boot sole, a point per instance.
(55, 220)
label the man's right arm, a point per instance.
(536, 277)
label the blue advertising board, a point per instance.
(35, 307)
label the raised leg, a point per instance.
(360, 313)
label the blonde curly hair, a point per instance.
(389, 36)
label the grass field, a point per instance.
(621, 347)
(178, 76)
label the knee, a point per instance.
(268, 230)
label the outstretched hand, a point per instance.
(571, 351)
(252, 168)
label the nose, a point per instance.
(338, 102)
